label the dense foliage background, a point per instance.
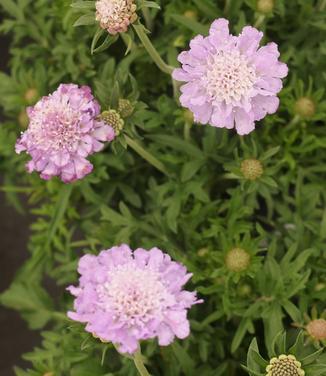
(199, 211)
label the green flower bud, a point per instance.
(191, 14)
(31, 95)
(284, 365)
(112, 117)
(244, 290)
(237, 260)
(252, 169)
(265, 6)
(23, 119)
(202, 252)
(125, 108)
(305, 107)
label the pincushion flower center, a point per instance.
(55, 129)
(229, 77)
(135, 294)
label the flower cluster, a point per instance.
(115, 15)
(126, 296)
(63, 130)
(230, 81)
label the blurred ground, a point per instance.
(15, 338)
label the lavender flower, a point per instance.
(63, 130)
(231, 82)
(126, 296)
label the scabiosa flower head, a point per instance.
(230, 81)
(126, 296)
(62, 132)
(317, 329)
(284, 365)
(252, 169)
(115, 15)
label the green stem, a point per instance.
(322, 5)
(260, 20)
(146, 155)
(227, 6)
(186, 130)
(140, 31)
(138, 360)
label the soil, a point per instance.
(15, 337)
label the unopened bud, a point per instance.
(265, 6)
(31, 96)
(237, 260)
(125, 108)
(305, 107)
(191, 14)
(252, 169)
(23, 119)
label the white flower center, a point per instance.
(136, 295)
(229, 77)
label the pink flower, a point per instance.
(62, 132)
(126, 296)
(231, 82)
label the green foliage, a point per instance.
(169, 183)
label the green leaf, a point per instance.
(85, 19)
(240, 333)
(83, 5)
(186, 362)
(194, 26)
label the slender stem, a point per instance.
(226, 6)
(186, 130)
(322, 5)
(146, 155)
(260, 20)
(151, 49)
(138, 360)
(294, 121)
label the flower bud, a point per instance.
(191, 14)
(244, 290)
(252, 169)
(284, 365)
(237, 260)
(265, 6)
(202, 252)
(31, 95)
(112, 117)
(23, 119)
(317, 329)
(125, 108)
(305, 107)
(115, 15)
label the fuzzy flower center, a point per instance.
(229, 77)
(284, 365)
(136, 295)
(55, 126)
